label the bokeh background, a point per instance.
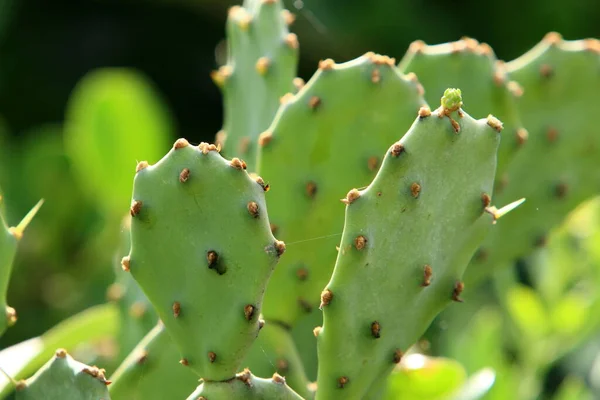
(48, 46)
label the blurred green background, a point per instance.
(48, 46)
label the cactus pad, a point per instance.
(246, 386)
(559, 166)
(202, 251)
(260, 69)
(407, 239)
(473, 67)
(151, 371)
(326, 138)
(63, 378)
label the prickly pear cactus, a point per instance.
(246, 386)
(136, 314)
(407, 240)
(151, 371)
(9, 238)
(275, 352)
(202, 251)
(473, 67)
(328, 137)
(263, 55)
(63, 378)
(559, 166)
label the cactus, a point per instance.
(246, 386)
(63, 378)
(9, 238)
(151, 370)
(407, 240)
(473, 67)
(560, 163)
(362, 101)
(260, 69)
(202, 251)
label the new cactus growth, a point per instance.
(473, 67)
(151, 369)
(246, 386)
(202, 251)
(558, 166)
(333, 133)
(64, 378)
(260, 69)
(407, 240)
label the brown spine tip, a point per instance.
(486, 200)
(379, 59)
(311, 189)
(279, 247)
(126, 263)
(212, 257)
(282, 365)
(427, 275)
(326, 297)
(561, 190)
(314, 102)
(375, 329)
(286, 98)
(514, 88)
(249, 311)
(265, 138)
(253, 209)
(184, 175)
(375, 76)
(243, 145)
(220, 76)
(351, 197)
(455, 125)
(546, 71)
(245, 376)
(298, 83)
(136, 207)
(552, 38)
(471, 44)
(21, 385)
(592, 45)
(485, 49)
(176, 309)
(115, 292)
(317, 331)
(522, 135)
(137, 310)
(458, 288)
(205, 148)
(411, 76)
(397, 356)
(373, 163)
(552, 135)
(343, 381)
(60, 353)
(494, 123)
(424, 112)
(262, 65)
(302, 273)
(326, 65)
(180, 144)
(499, 78)
(184, 362)
(212, 356)
(141, 165)
(288, 17)
(397, 149)
(237, 163)
(142, 358)
(278, 379)
(274, 228)
(261, 324)
(418, 46)
(415, 189)
(360, 242)
(262, 184)
(291, 41)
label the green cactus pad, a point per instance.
(152, 372)
(328, 137)
(63, 378)
(202, 251)
(474, 68)
(136, 314)
(9, 238)
(275, 351)
(559, 166)
(261, 67)
(246, 386)
(407, 240)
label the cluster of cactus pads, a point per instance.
(416, 185)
